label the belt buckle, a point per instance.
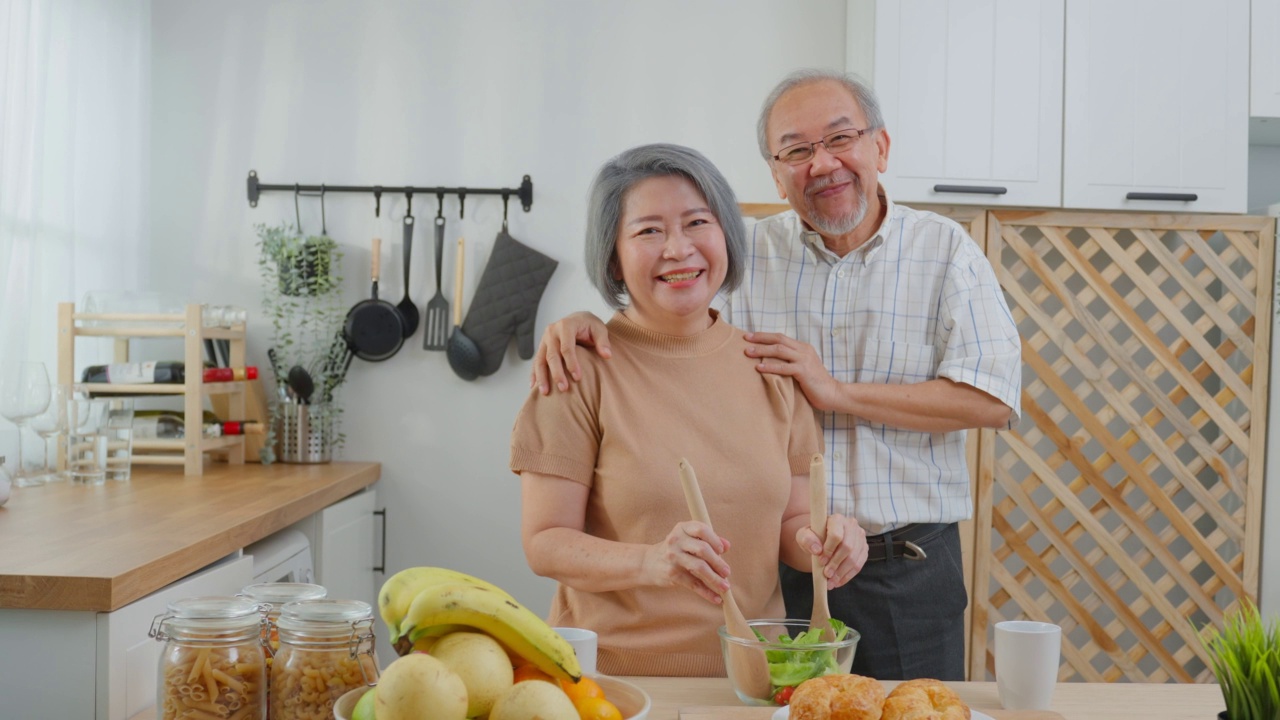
(913, 551)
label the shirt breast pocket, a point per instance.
(896, 363)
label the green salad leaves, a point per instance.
(788, 668)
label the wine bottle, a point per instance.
(160, 372)
(170, 425)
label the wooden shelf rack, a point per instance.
(189, 326)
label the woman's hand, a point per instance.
(556, 360)
(843, 554)
(689, 557)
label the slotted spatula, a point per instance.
(435, 334)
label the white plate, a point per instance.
(784, 713)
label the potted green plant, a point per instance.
(302, 297)
(1245, 656)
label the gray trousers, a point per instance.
(910, 612)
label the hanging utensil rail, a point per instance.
(524, 192)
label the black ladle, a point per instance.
(302, 384)
(408, 311)
(464, 356)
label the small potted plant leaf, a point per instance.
(1245, 657)
(303, 265)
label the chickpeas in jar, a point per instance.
(213, 665)
(326, 649)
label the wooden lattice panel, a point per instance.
(1126, 504)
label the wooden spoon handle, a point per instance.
(457, 282)
(734, 620)
(818, 523)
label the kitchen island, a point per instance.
(83, 569)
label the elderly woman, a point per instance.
(603, 511)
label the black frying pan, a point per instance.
(374, 328)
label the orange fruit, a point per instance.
(529, 672)
(582, 690)
(597, 708)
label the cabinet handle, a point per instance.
(382, 568)
(1175, 197)
(971, 189)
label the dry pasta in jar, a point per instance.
(326, 649)
(213, 666)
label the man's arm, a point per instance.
(939, 405)
(556, 361)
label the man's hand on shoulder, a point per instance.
(782, 355)
(556, 360)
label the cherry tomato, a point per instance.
(597, 708)
(529, 672)
(581, 690)
(783, 696)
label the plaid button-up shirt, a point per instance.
(917, 301)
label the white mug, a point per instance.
(1027, 657)
(583, 642)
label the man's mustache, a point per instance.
(836, 178)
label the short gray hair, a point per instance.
(861, 92)
(609, 191)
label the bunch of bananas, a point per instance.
(425, 602)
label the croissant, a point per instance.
(838, 697)
(924, 700)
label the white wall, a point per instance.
(447, 93)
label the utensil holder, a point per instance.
(305, 433)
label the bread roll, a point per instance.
(924, 700)
(838, 697)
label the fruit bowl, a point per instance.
(788, 665)
(631, 701)
(347, 703)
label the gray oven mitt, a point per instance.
(506, 301)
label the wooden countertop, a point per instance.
(712, 699)
(67, 546)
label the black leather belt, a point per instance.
(902, 542)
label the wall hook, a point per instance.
(297, 214)
(377, 201)
(462, 202)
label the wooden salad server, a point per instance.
(746, 665)
(821, 617)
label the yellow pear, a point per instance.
(481, 663)
(419, 686)
(532, 701)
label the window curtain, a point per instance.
(74, 162)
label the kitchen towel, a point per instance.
(506, 301)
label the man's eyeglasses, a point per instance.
(836, 142)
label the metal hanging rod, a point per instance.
(524, 192)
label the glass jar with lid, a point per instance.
(326, 649)
(274, 595)
(213, 661)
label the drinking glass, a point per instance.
(86, 439)
(119, 432)
(49, 425)
(24, 393)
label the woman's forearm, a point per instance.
(584, 562)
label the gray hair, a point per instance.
(861, 92)
(609, 191)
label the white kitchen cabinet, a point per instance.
(106, 664)
(342, 544)
(1156, 105)
(1264, 59)
(971, 92)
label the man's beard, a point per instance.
(840, 225)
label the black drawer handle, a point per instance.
(972, 189)
(1175, 197)
(382, 568)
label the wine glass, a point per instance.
(24, 393)
(50, 424)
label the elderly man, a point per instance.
(893, 323)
